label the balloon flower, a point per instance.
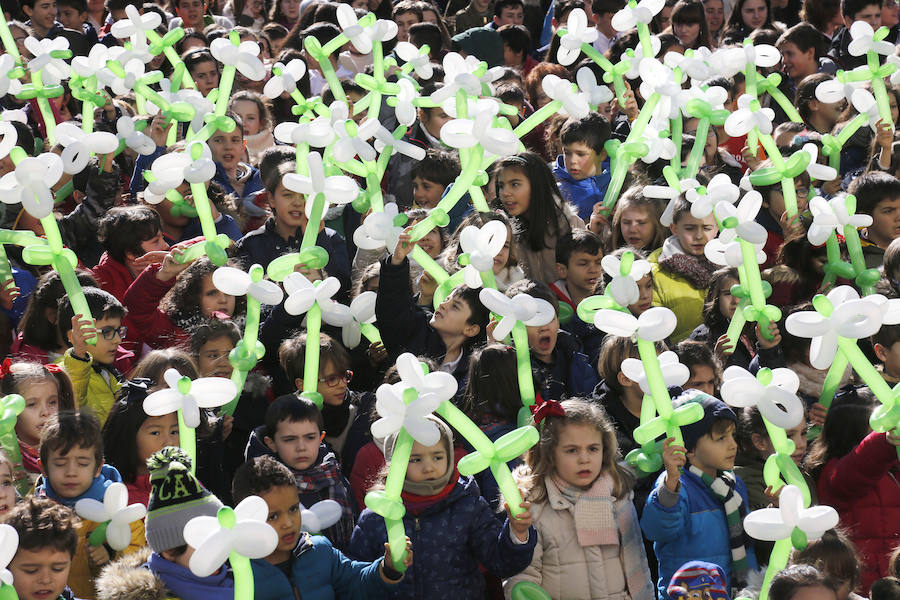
(259, 291)
(9, 545)
(774, 393)
(626, 272)
(403, 408)
(314, 299)
(480, 245)
(187, 398)
(789, 526)
(30, 184)
(654, 325)
(873, 44)
(114, 515)
(516, 314)
(837, 217)
(708, 106)
(48, 68)
(11, 407)
(236, 535)
(320, 516)
(362, 313)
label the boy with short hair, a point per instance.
(42, 18)
(516, 48)
(802, 50)
(877, 195)
(294, 433)
(95, 369)
(582, 171)
(555, 354)
(886, 343)
(852, 11)
(603, 11)
(73, 15)
(127, 233)
(432, 175)
(681, 272)
(406, 13)
(578, 256)
(302, 561)
(72, 468)
(47, 542)
(697, 514)
(508, 12)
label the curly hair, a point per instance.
(42, 523)
(183, 301)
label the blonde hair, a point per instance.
(539, 462)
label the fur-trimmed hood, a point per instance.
(127, 579)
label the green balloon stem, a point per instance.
(866, 371)
(243, 576)
(187, 439)
(537, 117)
(370, 332)
(736, 326)
(693, 162)
(239, 378)
(429, 264)
(226, 82)
(10, 445)
(676, 127)
(311, 233)
(778, 560)
(523, 364)
(311, 359)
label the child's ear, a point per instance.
(471, 330)
(623, 380)
(270, 443)
(880, 352)
(672, 228)
(562, 270)
(758, 442)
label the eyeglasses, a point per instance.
(110, 333)
(802, 192)
(334, 380)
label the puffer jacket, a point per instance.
(693, 529)
(154, 327)
(565, 569)
(583, 194)
(678, 295)
(127, 579)
(863, 487)
(318, 572)
(570, 374)
(95, 385)
(450, 539)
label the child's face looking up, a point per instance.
(694, 233)
(71, 474)
(213, 300)
(427, 463)
(715, 451)
(296, 443)
(452, 317)
(542, 339)
(581, 160)
(40, 574)
(578, 456)
(285, 519)
(212, 358)
(7, 489)
(426, 193)
(41, 403)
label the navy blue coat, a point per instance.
(449, 539)
(570, 374)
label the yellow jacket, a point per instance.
(93, 390)
(675, 293)
(83, 573)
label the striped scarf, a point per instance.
(723, 487)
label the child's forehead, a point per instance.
(582, 254)
(578, 147)
(108, 321)
(280, 496)
(288, 427)
(76, 451)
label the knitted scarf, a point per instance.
(326, 475)
(723, 487)
(595, 517)
(675, 261)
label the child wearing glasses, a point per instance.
(95, 379)
(294, 434)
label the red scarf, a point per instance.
(30, 458)
(418, 504)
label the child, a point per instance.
(583, 169)
(127, 233)
(774, 216)
(698, 579)
(854, 470)
(47, 541)
(578, 257)
(345, 422)
(95, 378)
(448, 336)
(706, 372)
(453, 528)
(73, 15)
(718, 310)
(431, 176)
(234, 175)
(294, 434)
(886, 343)
(697, 514)
(835, 555)
(852, 11)
(540, 217)
(635, 222)
(802, 581)
(803, 52)
(681, 272)
(590, 541)
(8, 494)
(71, 469)
(877, 195)
(256, 119)
(756, 447)
(506, 269)
(689, 25)
(555, 354)
(131, 438)
(283, 231)
(302, 561)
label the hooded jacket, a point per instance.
(583, 194)
(450, 539)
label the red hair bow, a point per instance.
(542, 409)
(53, 368)
(4, 368)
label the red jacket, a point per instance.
(863, 487)
(113, 276)
(155, 328)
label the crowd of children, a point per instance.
(590, 526)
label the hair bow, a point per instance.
(52, 368)
(541, 409)
(4, 368)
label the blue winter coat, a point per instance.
(570, 374)
(318, 572)
(693, 529)
(449, 540)
(583, 194)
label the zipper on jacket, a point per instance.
(417, 525)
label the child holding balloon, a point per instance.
(589, 539)
(452, 528)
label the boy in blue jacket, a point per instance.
(582, 171)
(302, 561)
(697, 513)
